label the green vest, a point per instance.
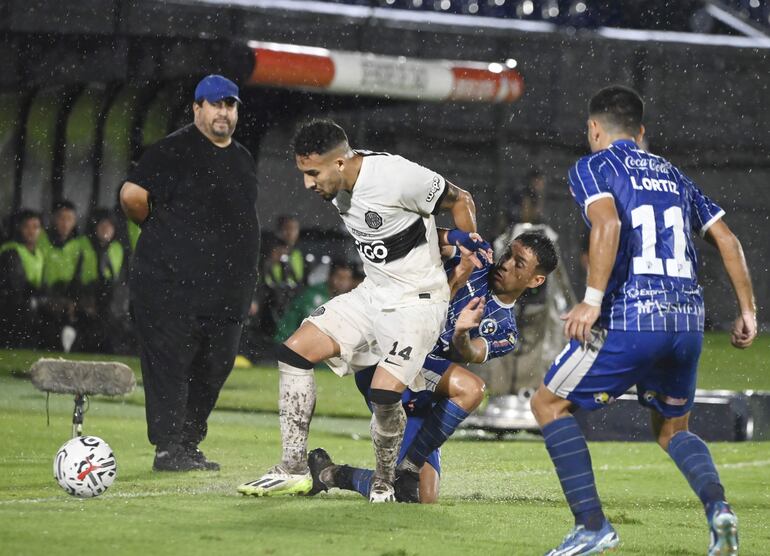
(60, 263)
(89, 262)
(295, 271)
(31, 262)
(300, 307)
(133, 233)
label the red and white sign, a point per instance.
(335, 71)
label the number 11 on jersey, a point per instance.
(648, 262)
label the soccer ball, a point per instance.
(85, 466)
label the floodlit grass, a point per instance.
(497, 497)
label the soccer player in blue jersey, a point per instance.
(641, 320)
(480, 326)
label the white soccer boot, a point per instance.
(381, 491)
(278, 482)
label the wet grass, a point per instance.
(496, 497)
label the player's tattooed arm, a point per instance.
(463, 349)
(460, 204)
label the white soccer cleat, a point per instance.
(278, 482)
(381, 491)
(724, 531)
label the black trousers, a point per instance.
(185, 362)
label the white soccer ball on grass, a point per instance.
(85, 466)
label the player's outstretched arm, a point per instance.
(135, 201)
(745, 326)
(463, 348)
(460, 203)
(602, 250)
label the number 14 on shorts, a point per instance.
(404, 353)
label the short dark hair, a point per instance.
(542, 247)
(97, 215)
(63, 204)
(285, 219)
(19, 218)
(620, 107)
(317, 137)
(339, 264)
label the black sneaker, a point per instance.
(199, 457)
(407, 486)
(174, 458)
(317, 461)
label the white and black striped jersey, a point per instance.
(389, 213)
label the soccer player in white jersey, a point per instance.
(387, 204)
(644, 297)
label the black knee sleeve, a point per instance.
(287, 355)
(384, 397)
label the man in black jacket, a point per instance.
(192, 277)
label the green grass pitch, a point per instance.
(497, 497)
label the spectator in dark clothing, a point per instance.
(21, 278)
(193, 274)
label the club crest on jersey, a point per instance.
(488, 327)
(373, 220)
(603, 398)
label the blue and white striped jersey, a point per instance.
(498, 323)
(653, 285)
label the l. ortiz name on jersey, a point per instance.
(654, 284)
(498, 322)
(389, 213)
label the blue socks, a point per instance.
(693, 459)
(569, 452)
(444, 418)
(362, 481)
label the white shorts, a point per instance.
(397, 339)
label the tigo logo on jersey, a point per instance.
(488, 327)
(373, 220)
(435, 186)
(375, 251)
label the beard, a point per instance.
(219, 130)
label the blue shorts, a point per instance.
(662, 365)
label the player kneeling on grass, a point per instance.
(480, 326)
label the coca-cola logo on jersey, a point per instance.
(375, 252)
(647, 164)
